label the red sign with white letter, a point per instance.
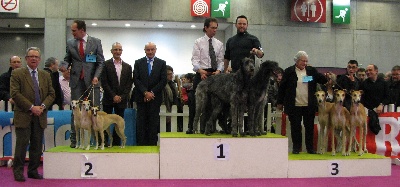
(200, 8)
(308, 11)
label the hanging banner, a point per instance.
(201, 8)
(221, 8)
(11, 6)
(341, 11)
(308, 11)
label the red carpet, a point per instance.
(7, 179)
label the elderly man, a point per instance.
(15, 62)
(296, 93)
(394, 87)
(51, 66)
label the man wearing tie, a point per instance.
(84, 54)
(32, 90)
(150, 78)
(207, 60)
(117, 84)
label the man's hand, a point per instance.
(149, 96)
(216, 72)
(379, 109)
(279, 107)
(203, 74)
(95, 80)
(117, 99)
(11, 101)
(37, 110)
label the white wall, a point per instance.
(173, 46)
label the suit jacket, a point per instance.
(91, 69)
(287, 88)
(23, 94)
(109, 81)
(57, 87)
(155, 82)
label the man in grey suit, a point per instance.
(150, 78)
(32, 90)
(85, 56)
(117, 81)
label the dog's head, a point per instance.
(269, 68)
(356, 96)
(94, 110)
(339, 96)
(320, 95)
(74, 104)
(248, 66)
(86, 105)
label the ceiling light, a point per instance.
(193, 26)
(160, 25)
(27, 25)
(94, 24)
(127, 24)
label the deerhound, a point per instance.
(222, 89)
(257, 97)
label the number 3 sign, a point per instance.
(88, 164)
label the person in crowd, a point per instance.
(15, 62)
(273, 88)
(241, 45)
(296, 94)
(84, 54)
(184, 93)
(150, 78)
(51, 65)
(394, 87)
(170, 95)
(187, 86)
(361, 74)
(207, 60)
(64, 83)
(30, 113)
(117, 81)
(349, 82)
(329, 87)
(388, 76)
(375, 90)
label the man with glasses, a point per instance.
(394, 87)
(349, 81)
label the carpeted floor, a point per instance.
(6, 179)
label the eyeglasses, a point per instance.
(37, 57)
(352, 67)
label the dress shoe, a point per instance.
(73, 145)
(35, 176)
(295, 152)
(19, 177)
(311, 152)
(189, 131)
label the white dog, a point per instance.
(76, 111)
(86, 123)
(102, 121)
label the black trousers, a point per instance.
(32, 136)
(120, 112)
(295, 118)
(147, 123)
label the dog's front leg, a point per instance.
(88, 139)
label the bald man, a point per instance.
(15, 62)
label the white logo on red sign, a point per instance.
(309, 10)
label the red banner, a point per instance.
(200, 8)
(308, 11)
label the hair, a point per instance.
(32, 48)
(14, 57)
(208, 21)
(361, 70)
(50, 61)
(395, 68)
(375, 67)
(300, 54)
(114, 44)
(242, 16)
(169, 68)
(189, 76)
(278, 70)
(353, 62)
(381, 75)
(80, 24)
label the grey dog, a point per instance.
(231, 88)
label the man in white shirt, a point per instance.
(207, 59)
(64, 82)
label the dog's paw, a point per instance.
(263, 133)
(95, 148)
(122, 147)
(87, 148)
(102, 148)
(333, 153)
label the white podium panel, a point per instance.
(65, 165)
(214, 157)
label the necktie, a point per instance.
(36, 89)
(212, 55)
(149, 66)
(82, 54)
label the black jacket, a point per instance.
(57, 88)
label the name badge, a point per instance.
(307, 78)
(90, 58)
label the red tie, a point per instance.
(82, 54)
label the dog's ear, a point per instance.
(344, 90)
(361, 91)
(351, 91)
(335, 90)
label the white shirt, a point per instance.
(64, 83)
(118, 68)
(36, 73)
(201, 57)
(301, 89)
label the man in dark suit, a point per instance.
(51, 66)
(32, 91)
(15, 62)
(296, 93)
(150, 78)
(117, 81)
(85, 56)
